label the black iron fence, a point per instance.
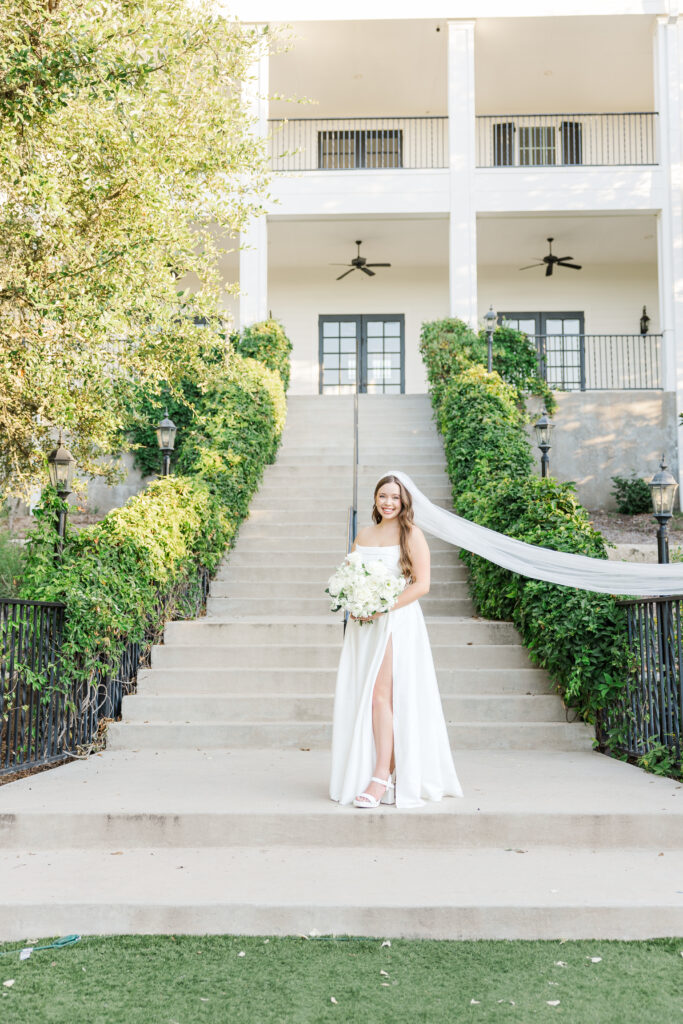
(42, 719)
(600, 362)
(567, 140)
(650, 713)
(358, 143)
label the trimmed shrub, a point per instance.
(632, 495)
(577, 636)
(127, 572)
(267, 342)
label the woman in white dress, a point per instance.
(389, 740)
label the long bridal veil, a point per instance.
(580, 571)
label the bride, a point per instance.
(389, 737)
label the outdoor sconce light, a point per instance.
(644, 322)
(663, 487)
(61, 467)
(491, 319)
(166, 432)
(543, 429)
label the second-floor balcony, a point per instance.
(515, 140)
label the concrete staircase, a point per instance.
(213, 785)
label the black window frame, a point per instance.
(361, 320)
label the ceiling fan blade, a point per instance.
(339, 264)
(531, 266)
(378, 264)
(549, 270)
(347, 272)
(571, 266)
(563, 259)
(370, 273)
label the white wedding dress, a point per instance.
(422, 752)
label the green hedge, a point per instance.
(127, 572)
(267, 342)
(579, 637)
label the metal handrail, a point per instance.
(352, 517)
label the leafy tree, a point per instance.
(127, 163)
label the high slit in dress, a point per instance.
(422, 752)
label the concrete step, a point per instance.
(306, 707)
(314, 656)
(241, 681)
(446, 576)
(468, 894)
(204, 735)
(284, 589)
(327, 630)
(219, 607)
(259, 798)
(260, 539)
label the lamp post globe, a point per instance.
(166, 432)
(663, 487)
(491, 320)
(543, 429)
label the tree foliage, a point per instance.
(127, 162)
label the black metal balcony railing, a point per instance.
(350, 143)
(650, 712)
(600, 362)
(566, 140)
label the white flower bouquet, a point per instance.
(363, 588)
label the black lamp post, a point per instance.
(491, 319)
(166, 440)
(61, 467)
(663, 487)
(544, 428)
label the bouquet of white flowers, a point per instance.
(363, 588)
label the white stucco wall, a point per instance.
(297, 298)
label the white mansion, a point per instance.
(453, 140)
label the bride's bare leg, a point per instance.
(383, 721)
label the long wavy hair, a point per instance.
(405, 521)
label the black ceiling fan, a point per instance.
(551, 261)
(359, 263)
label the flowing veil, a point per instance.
(580, 571)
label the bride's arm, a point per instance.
(419, 556)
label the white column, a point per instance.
(668, 71)
(461, 145)
(254, 239)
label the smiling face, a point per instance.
(388, 500)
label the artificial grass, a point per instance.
(185, 979)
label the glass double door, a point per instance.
(361, 353)
(560, 343)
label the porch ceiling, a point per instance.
(312, 242)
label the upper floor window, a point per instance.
(342, 149)
(537, 145)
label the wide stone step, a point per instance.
(276, 707)
(303, 545)
(284, 589)
(467, 894)
(184, 656)
(327, 630)
(219, 607)
(259, 798)
(160, 735)
(240, 681)
(453, 575)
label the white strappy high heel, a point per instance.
(367, 800)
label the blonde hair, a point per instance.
(405, 521)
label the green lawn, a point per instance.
(165, 980)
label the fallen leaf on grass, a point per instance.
(333, 1000)
(8, 983)
(560, 963)
(594, 959)
(385, 984)
(387, 942)
(203, 999)
(553, 1002)
(241, 953)
(475, 1002)
(384, 974)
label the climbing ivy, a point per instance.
(578, 637)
